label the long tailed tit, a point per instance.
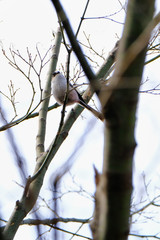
(59, 88)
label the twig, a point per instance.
(108, 17)
(144, 236)
(82, 18)
(26, 117)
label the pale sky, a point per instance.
(29, 23)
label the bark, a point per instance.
(114, 188)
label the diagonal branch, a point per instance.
(35, 182)
(31, 190)
(30, 115)
(72, 117)
(76, 47)
(49, 221)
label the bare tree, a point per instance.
(118, 96)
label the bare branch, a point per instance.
(12, 98)
(144, 236)
(76, 47)
(26, 117)
(82, 18)
(31, 190)
(49, 221)
(72, 117)
(107, 17)
(46, 96)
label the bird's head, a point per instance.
(55, 73)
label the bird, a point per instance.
(59, 89)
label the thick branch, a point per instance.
(49, 221)
(32, 189)
(46, 96)
(115, 186)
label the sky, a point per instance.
(27, 24)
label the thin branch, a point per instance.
(26, 117)
(144, 236)
(77, 235)
(108, 17)
(102, 73)
(141, 41)
(16, 66)
(30, 63)
(132, 52)
(76, 47)
(150, 203)
(49, 221)
(82, 18)
(151, 90)
(12, 98)
(152, 59)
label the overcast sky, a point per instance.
(29, 23)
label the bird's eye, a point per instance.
(55, 73)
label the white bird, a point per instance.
(59, 89)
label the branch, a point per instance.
(108, 17)
(130, 55)
(11, 98)
(74, 234)
(152, 59)
(32, 189)
(14, 64)
(144, 207)
(35, 182)
(144, 236)
(30, 115)
(82, 18)
(30, 62)
(72, 117)
(46, 96)
(76, 47)
(49, 221)
(113, 193)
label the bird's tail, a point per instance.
(95, 112)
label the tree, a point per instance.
(111, 217)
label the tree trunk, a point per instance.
(114, 188)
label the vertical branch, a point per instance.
(46, 97)
(32, 189)
(115, 185)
